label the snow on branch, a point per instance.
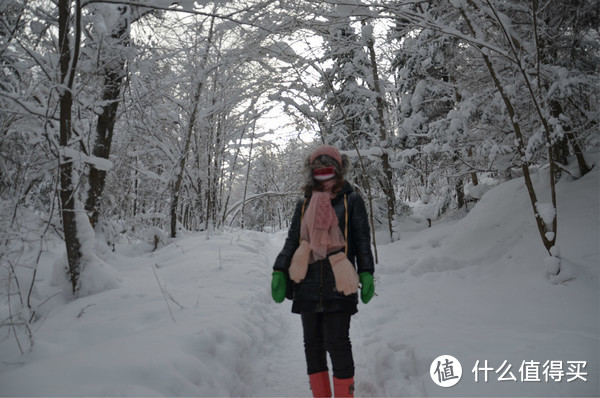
(237, 206)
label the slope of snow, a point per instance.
(195, 318)
(477, 289)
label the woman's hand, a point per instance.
(368, 286)
(278, 286)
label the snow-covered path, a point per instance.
(282, 364)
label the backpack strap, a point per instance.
(346, 224)
(302, 218)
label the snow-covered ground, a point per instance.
(195, 318)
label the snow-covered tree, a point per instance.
(501, 47)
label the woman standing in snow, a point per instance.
(326, 253)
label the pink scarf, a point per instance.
(320, 227)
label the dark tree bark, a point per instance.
(113, 79)
(67, 190)
(386, 181)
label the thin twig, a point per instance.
(10, 317)
(83, 310)
(163, 292)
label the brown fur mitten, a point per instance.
(299, 264)
(346, 278)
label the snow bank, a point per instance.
(123, 341)
(477, 289)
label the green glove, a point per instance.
(368, 286)
(278, 284)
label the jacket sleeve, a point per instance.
(284, 258)
(361, 235)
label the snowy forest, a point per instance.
(149, 119)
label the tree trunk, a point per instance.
(247, 175)
(234, 163)
(547, 233)
(67, 190)
(474, 178)
(460, 193)
(180, 167)
(557, 110)
(583, 167)
(387, 181)
(113, 78)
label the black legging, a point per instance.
(328, 332)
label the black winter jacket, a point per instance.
(317, 293)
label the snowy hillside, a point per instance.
(195, 318)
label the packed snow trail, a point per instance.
(281, 367)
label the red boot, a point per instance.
(319, 384)
(343, 387)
